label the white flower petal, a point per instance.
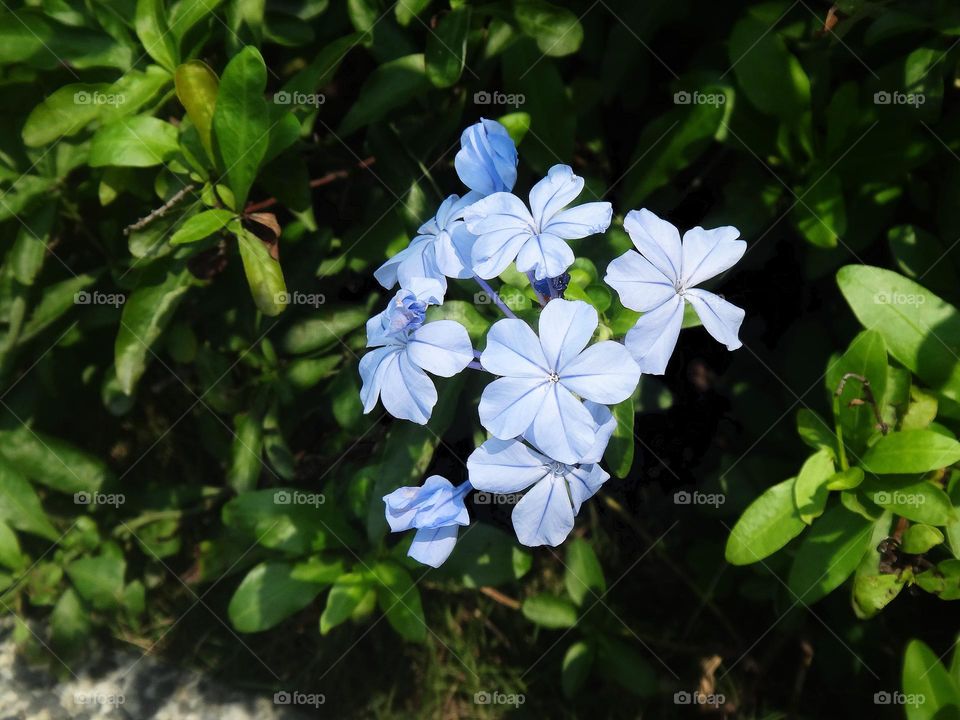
(720, 318)
(652, 340)
(707, 253)
(657, 240)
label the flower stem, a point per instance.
(485, 286)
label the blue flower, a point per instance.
(536, 238)
(544, 516)
(441, 249)
(664, 275)
(436, 509)
(406, 345)
(487, 159)
(543, 379)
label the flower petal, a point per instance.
(508, 405)
(373, 366)
(454, 251)
(544, 515)
(500, 211)
(652, 340)
(407, 393)
(441, 347)
(606, 423)
(584, 481)
(386, 274)
(432, 546)
(720, 318)
(487, 159)
(505, 466)
(422, 265)
(707, 253)
(604, 373)
(546, 255)
(513, 350)
(657, 240)
(580, 221)
(566, 327)
(563, 428)
(557, 190)
(638, 282)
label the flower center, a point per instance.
(559, 469)
(553, 377)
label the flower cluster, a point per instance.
(547, 411)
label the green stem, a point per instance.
(842, 451)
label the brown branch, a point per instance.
(500, 597)
(318, 182)
(160, 211)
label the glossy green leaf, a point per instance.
(768, 523)
(556, 29)
(246, 462)
(267, 596)
(446, 51)
(99, 580)
(920, 538)
(583, 575)
(264, 274)
(866, 357)
(911, 451)
(924, 676)
(810, 490)
(197, 88)
(620, 450)
(344, 597)
(549, 611)
(577, 663)
(202, 225)
(139, 141)
(151, 27)
(399, 599)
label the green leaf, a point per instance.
(815, 431)
(267, 596)
(924, 676)
(202, 225)
(197, 88)
(583, 575)
(64, 112)
(399, 599)
(769, 523)
(10, 555)
(845, 479)
(485, 556)
(921, 330)
(911, 451)
(241, 124)
(69, 624)
(577, 663)
(810, 490)
(323, 328)
(920, 538)
(620, 449)
(549, 611)
(54, 462)
(391, 85)
(921, 411)
(867, 357)
(344, 597)
(99, 580)
(556, 29)
(820, 213)
(324, 66)
(446, 51)
(769, 75)
(146, 314)
(187, 13)
(153, 32)
(246, 463)
(872, 589)
(623, 663)
(407, 10)
(264, 274)
(921, 502)
(828, 554)
(139, 141)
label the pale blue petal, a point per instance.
(545, 255)
(440, 504)
(584, 481)
(428, 289)
(406, 391)
(500, 211)
(386, 274)
(566, 327)
(720, 318)
(441, 347)
(453, 208)
(544, 515)
(373, 366)
(652, 340)
(508, 405)
(580, 221)
(487, 159)
(707, 253)
(513, 350)
(604, 373)
(422, 265)
(432, 546)
(493, 252)
(563, 428)
(402, 506)
(505, 466)
(454, 251)
(657, 240)
(638, 282)
(606, 423)
(557, 190)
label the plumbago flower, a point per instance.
(547, 413)
(664, 275)
(541, 379)
(405, 347)
(436, 509)
(536, 238)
